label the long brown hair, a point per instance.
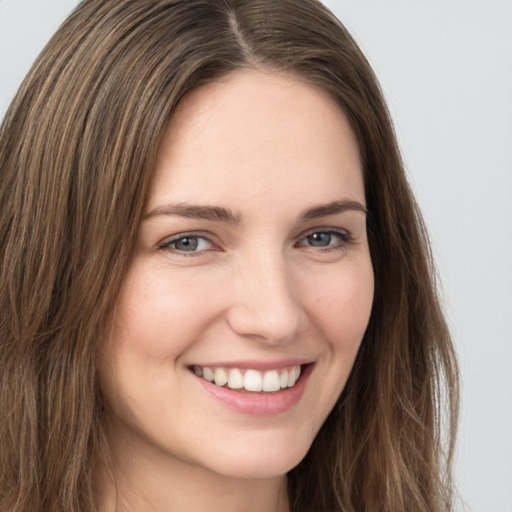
(77, 150)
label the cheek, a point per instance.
(343, 305)
(156, 320)
(339, 309)
(161, 315)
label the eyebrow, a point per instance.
(219, 214)
(334, 208)
(204, 212)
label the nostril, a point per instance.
(271, 324)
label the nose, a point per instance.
(265, 302)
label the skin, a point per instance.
(267, 147)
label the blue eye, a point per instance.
(187, 243)
(330, 239)
(319, 239)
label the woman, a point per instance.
(218, 291)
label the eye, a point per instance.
(327, 239)
(186, 243)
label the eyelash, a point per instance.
(167, 245)
(344, 239)
(343, 236)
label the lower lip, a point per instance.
(259, 404)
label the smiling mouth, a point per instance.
(247, 379)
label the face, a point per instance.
(252, 266)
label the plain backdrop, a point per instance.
(445, 67)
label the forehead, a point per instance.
(253, 131)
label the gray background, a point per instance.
(446, 69)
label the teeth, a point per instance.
(293, 375)
(220, 376)
(250, 380)
(207, 374)
(236, 379)
(253, 380)
(271, 381)
(284, 379)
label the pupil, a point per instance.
(187, 244)
(319, 239)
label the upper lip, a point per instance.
(256, 364)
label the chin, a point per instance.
(274, 458)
